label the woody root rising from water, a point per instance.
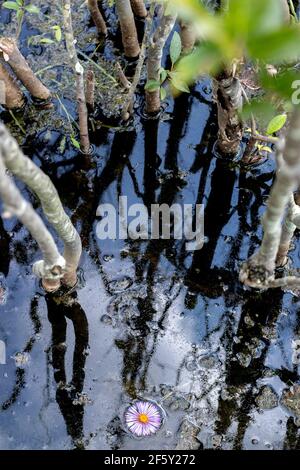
(54, 269)
(281, 219)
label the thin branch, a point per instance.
(51, 268)
(78, 70)
(24, 168)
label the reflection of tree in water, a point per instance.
(20, 372)
(234, 378)
(69, 396)
(229, 348)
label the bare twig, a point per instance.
(24, 168)
(51, 268)
(139, 67)
(78, 70)
(122, 77)
(155, 54)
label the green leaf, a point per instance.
(152, 85)
(175, 48)
(11, 5)
(46, 41)
(163, 93)
(262, 109)
(32, 9)
(75, 142)
(180, 85)
(57, 33)
(282, 85)
(253, 17)
(205, 59)
(264, 148)
(163, 75)
(20, 2)
(20, 14)
(276, 47)
(276, 124)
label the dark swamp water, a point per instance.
(149, 319)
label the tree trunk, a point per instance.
(52, 265)
(228, 95)
(128, 28)
(22, 70)
(188, 37)
(97, 17)
(23, 168)
(155, 54)
(139, 8)
(258, 271)
(10, 94)
(291, 223)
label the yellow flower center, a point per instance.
(143, 418)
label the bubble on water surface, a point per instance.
(106, 319)
(255, 441)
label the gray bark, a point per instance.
(229, 98)
(155, 54)
(79, 72)
(258, 271)
(22, 167)
(51, 268)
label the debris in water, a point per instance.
(144, 418)
(21, 359)
(291, 400)
(119, 285)
(267, 398)
(82, 399)
(188, 436)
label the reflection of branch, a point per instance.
(68, 398)
(20, 372)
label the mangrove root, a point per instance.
(23, 72)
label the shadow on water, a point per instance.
(69, 394)
(151, 320)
